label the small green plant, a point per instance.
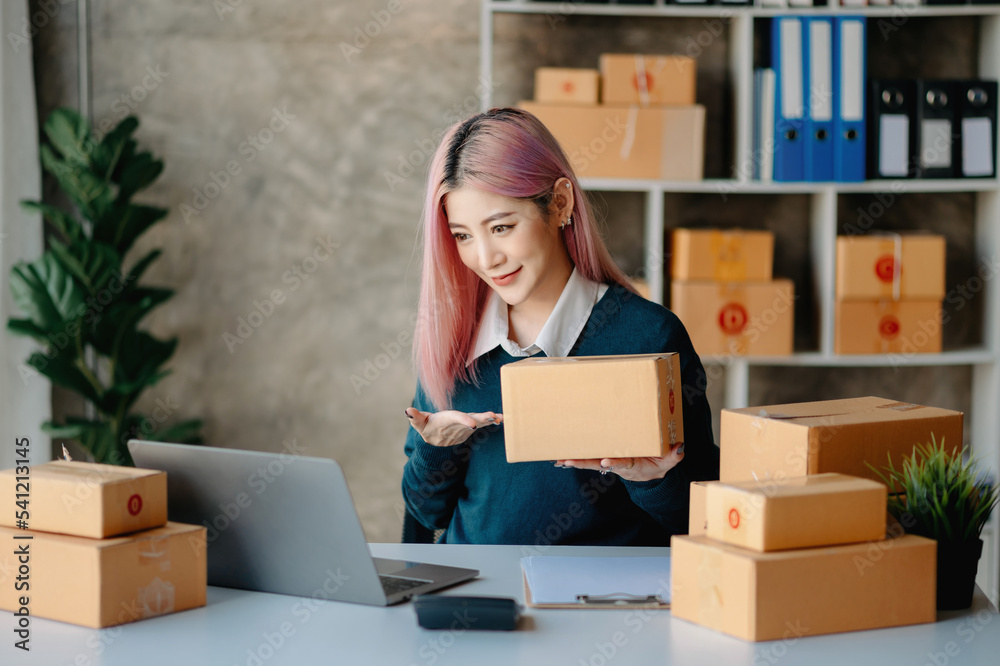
(943, 496)
(78, 299)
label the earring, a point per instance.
(568, 222)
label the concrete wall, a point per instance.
(315, 225)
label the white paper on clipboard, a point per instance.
(597, 581)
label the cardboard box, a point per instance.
(741, 318)
(781, 441)
(669, 79)
(562, 85)
(587, 407)
(907, 266)
(697, 516)
(665, 143)
(805, 592)
(104, 582)
(800, 512)
(87, 499)
(888, 327)
(729, 255)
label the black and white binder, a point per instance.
(892, 127)
(977, 110)
(937, 130)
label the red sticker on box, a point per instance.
(670, 401)
(734, 518)
(885, 268)
(649, 82)
(733, 318)
(568, 86)
(888, 327)
(135, 505)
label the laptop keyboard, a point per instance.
(395, 584)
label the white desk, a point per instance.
(233, 630)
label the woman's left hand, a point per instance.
(632, 469)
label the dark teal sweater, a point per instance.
(472, 492)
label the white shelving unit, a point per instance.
(983, 424)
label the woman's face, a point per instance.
(500, 237)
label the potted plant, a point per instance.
(942, 496)
(80, 302)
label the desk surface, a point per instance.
(239, 628)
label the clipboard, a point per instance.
(596, 582)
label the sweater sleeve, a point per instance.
(667, 500)
(434, 476)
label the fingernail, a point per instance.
(472, 427)
(407, 414)
(680, 449)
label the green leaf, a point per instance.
(64, 370)
(27, 327)
(92, 195)
(140, 172)
(137, 269)
(46, 293)
(92, 263)
(112, 147)
(67, 225)
(185, 432)
(124, 315)
(124, 223)
(141, 355)
(67, 131)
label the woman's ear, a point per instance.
(563, 198)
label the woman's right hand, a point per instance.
(449, 428)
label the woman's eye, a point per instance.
(460, 237)
(503, 227)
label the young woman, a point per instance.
(513, 266)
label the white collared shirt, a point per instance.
(560, 332)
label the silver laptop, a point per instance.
(283, 523)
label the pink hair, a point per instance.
(507, 152)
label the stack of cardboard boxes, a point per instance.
(99, 551)
(635, 118)
(889, 293)
(791, 540)
(722, 290)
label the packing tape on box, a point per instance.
(889, 265)
(629, 139)
(157, 598)
(729, 260)
(155, 551)
(641, 82)
(709, 599)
